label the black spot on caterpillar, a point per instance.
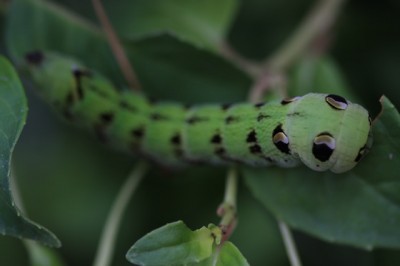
(196, 119)
(35, 57)
(231, 119)
(255, 148)
(220, 151)
(138, 132)
(106, 118)
(251, 137)
(176, 139)
(216, 139)
(262, 116)
(226, 106)
(158, 117)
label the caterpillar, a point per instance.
(323, 131)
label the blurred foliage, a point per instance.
(68, 181)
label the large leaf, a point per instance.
(166, 66)
(172, 69)
(13, 110)
(202, 23)
(41, 25)
(360, 207)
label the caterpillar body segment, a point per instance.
(322, 131)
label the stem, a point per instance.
(107, 241)
(251, 68)
(231, 187)
(318, 22)
(227, 209)
(290, 245)
(116, 47)
(315, 25)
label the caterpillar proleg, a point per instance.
(323, 131)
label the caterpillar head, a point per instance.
(331, 132)
(63, 81)
(55, 77)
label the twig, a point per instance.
(315, 25)
(289, 244)
(318, 22)
(251, 68)
(107, 241)
(227, 210)
(116, 47)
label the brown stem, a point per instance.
(251, 68)
(227, 210)
(116, 47)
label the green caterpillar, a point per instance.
(322, 131)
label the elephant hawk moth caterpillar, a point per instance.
(324, 131)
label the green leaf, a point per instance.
(172, 244)
(171, 69)
(42, 25)
(230, 255)
(13, 110)
(359, 208)
(227, 255)
(165, 65)
(201, 23)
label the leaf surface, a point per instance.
(13, 111)
(172, 244)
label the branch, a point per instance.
(251, 68)
(320, 19)
(107, 241)
(116, 47)
(227, 210)
(290, 245)
(315, 26)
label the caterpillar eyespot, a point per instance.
(325, 132)
(289, 100)
(336, 101)
(281, 140)
(323, 147)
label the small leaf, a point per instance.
(360, 207)
(13, 110)
(230, 255)
(172, 244)
(227, 255)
